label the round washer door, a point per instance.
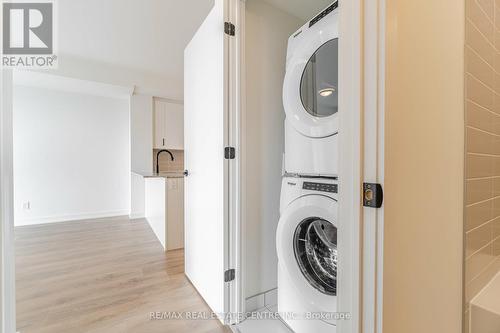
(306, 242)
(315, 249)
(310, 89)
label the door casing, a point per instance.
(7, 265)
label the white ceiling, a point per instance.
(144, 35)
(303, 9)
(145, 38)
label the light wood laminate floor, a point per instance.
(99, 276)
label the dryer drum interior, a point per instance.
(315, 248)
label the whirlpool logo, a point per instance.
(28, 38)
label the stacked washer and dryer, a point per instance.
(307, 231)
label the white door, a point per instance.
(211, 178)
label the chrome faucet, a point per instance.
(158, 155)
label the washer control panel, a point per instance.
(322, 187)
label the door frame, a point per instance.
(361, 145)
(7, 266)
(350, 174)
(225, 12)
(234, 12)
(373, 161)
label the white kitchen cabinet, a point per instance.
(160, 117)
(168, 125)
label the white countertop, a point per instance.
(170, 174)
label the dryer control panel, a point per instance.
(322, 187)
(325, 12)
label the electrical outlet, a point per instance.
(27, 205)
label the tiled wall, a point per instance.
(482, 94)
(166, 164)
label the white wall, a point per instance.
(141, 149)
(267, 32)
(137, 196)
(71, 156)
(141, 132)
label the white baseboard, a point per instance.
(66, 218)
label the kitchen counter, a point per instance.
(171, 174)
(159, 197)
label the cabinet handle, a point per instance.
(163, 141)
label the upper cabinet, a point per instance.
(168, 125)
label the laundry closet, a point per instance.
(304, 87)
(240, 83)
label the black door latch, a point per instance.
(229, 275)
(229, 153)
(373, 196)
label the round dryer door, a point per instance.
(311, 86)
(319, 84)
(315, 248)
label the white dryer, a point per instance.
(306, 242)
(310, 97)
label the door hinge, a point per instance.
(229, 275)
(373, 196)
(229, 153)
(229, 28)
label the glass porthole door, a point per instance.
(315, 248)
(319, 82)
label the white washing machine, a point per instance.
(306, 242)
(310, 97)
